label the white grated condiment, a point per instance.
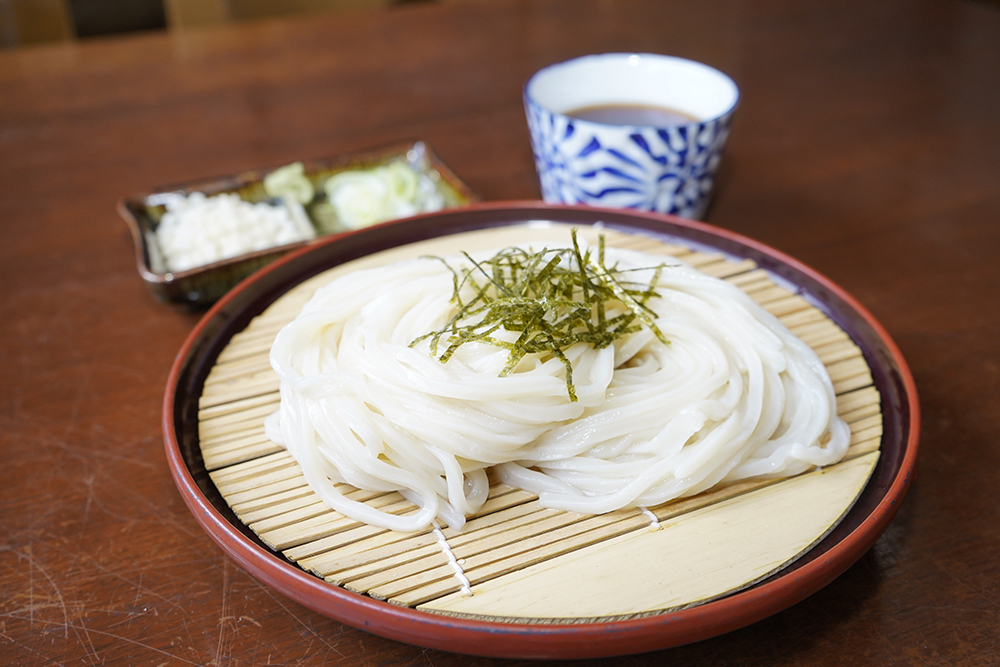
(198, 230)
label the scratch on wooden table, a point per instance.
(70, 624)
(222, 615)
(32, 566)
(116, 637)
(97, 455)
(109, 451)
(873, 622)
(89, 483)
(85, 640)
(127, 445)
(422, 656)
(31, 589)
(131, 615)
(97, 479)
(39, 591)
(300, 621)
(4, 635)
(139, 587)
(978, 593)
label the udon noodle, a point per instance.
(731, 395)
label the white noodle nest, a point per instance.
(734, 395)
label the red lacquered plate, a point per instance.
(846, 543)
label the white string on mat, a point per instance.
(466, 589)
(652, 518)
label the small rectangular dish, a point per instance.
(193, 243)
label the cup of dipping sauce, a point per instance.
(630, 130)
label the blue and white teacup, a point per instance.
(623, 130)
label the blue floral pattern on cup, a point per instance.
(669, 170)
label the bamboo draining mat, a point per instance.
(518, 560)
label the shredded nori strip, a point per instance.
(555, 298)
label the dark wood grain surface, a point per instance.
(867, 145)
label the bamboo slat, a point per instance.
(687, 561)
(514, 553)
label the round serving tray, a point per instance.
(852, 536)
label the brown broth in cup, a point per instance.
(632, 114)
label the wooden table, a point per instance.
(867, 145)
